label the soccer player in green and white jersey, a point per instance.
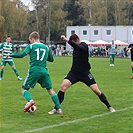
(38, 73)
(7, 48)
(112, 51)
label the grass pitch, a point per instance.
(82, 110)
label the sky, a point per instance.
(28, 3)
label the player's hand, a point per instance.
(7, 55)
(64, 38)
(0, 55)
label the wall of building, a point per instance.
(106, 33)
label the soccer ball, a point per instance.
(32, 108)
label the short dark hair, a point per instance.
(8, 37)
(74, 37)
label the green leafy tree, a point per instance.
(58, 23)
(111, 13)
(14, 19)
(75, 12)
(30, 25)
(50, 19)
(108, 12)
(131, 14)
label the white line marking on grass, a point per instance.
(74, 121)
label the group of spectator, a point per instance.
(103, 52)
(60, 50)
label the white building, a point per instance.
(106, 33)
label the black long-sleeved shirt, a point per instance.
(80, 62)
(131, 46)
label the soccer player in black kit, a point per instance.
(131, 48)
(80, 71)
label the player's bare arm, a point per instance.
(64, 38)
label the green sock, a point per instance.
(55, 100)
(16, 72)
(27, 95)
(1, 74)
(111, 62)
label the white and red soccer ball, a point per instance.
(32, 108)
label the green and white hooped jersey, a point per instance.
(6, 49)
(112, 48)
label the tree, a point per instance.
(131, 14)
(75, 12)
(50, 17)
(14, 19)
(58, 23)
(111, 13)
(108, 12)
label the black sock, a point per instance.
(103, 99)
(60, 96)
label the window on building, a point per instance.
(84, 32)
(108, 32)
(72, 32)
(95, 32)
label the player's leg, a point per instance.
(111, 60)
(70, 79)
(3, 64)
(26, 94)
(90, 82)
(29, 82)
(28, 97)
(45, 82)
(55, 99)
(65, 84)
(11, 63)
(101, 96)
(1, 73)
(113, 56)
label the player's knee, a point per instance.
(13, 67)
(98, 92)
(95, 89)
(22, 90)
(2, 67)
(63, 88)
(51, 91)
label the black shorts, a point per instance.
(74, 77)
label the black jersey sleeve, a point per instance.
(76, 46)
(130, 45)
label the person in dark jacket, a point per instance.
(80, 71)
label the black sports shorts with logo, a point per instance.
(75, 77)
